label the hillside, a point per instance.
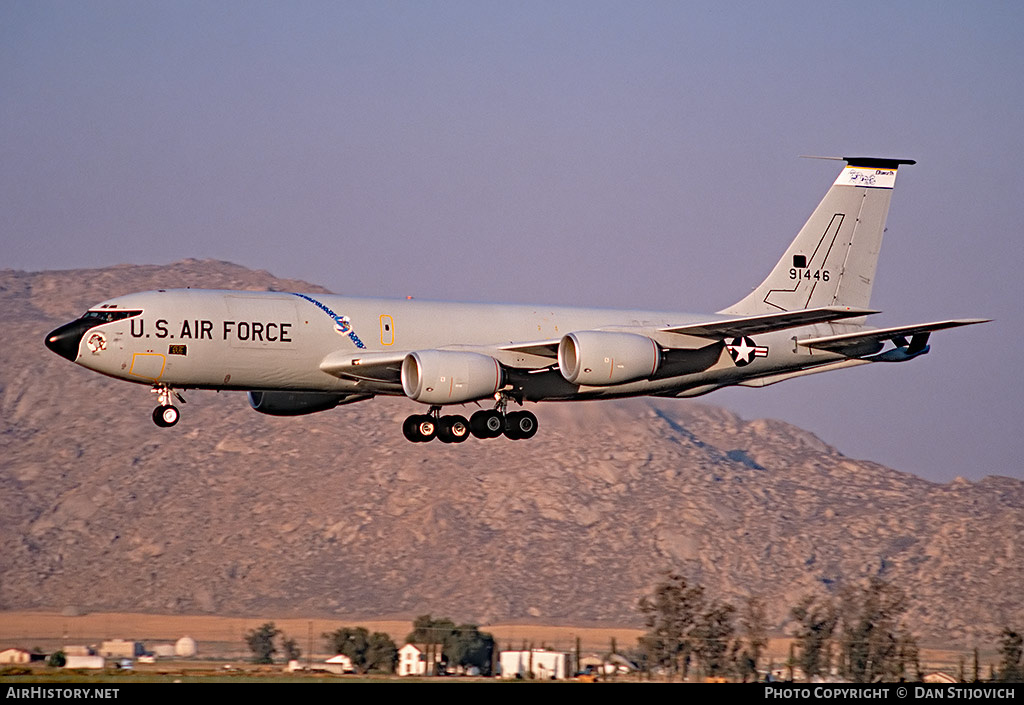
(232, 512)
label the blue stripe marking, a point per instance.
(341, 323)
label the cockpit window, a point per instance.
(107, 316)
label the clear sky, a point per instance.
(625, 154)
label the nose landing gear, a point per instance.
(166, 414)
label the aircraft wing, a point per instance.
(386, 367)
(540, 348)
(369, 367)
(845, 341)
(768, 322)
(727, 328)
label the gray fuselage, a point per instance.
(211, 339)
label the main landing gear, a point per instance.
(166, 414)
(486, 423)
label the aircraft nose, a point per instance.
(65, 340)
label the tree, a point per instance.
(872, 632)
(754, 621)
(669, 615)
(746, 664)
(431, 633)
(427, 630)
(711, 636)
(1012, 649)
(261, 642)
(352, 642)
(816, 621)
(463, 645)
(909, 656)
(368, 652)
(291, 649)
(467, 646)
(381, 653)
(57, 660)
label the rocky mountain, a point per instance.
(233, 512)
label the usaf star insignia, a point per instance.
(743, 351)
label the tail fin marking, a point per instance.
(833, 259)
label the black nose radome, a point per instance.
(65, 340)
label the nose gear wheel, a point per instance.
(166, 414)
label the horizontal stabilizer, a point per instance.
(769, 380)
(845, 341)
(768, 322)
(877, 162)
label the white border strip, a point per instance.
(867, 176)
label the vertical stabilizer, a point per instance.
(832, 260)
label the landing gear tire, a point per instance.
(520, 425)
(420, 428)
(166, 416)
(486, 423)
(453, 429)
(409, 429)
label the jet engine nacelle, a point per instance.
(293, 403)
(450, 377)
(601, 358)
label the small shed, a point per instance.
(85, 662)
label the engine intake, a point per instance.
(450, 377)
(602, 358)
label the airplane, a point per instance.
(297, 353)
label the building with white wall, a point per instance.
(542, 664)
(412, 659)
